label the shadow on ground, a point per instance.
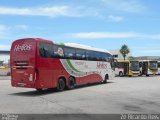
(35, 93)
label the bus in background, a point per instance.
(38, 63)
(158, 68)
(127, 68)
(4, 69)
(149, 67)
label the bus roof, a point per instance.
(35, 39)
(75, 45)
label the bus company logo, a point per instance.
(23, 47)
(101, 65)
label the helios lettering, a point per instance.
(101, 65)
(23, 47)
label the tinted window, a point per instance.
(90, 55)
(58, 51)
(80, 54)
(158, 64)
(120, 65)
(69, 53)
(46, 50)
(98, 56)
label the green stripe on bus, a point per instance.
(61, 44)
(72, 67)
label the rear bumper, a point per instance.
(23, 85)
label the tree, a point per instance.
(131, 58)
(124, 51)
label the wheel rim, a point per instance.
(71, 83)
(61, 85)
(120, 74)
(106, 78)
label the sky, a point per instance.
(106, 24)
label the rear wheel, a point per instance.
(140, 73)
(39, 89)
(147, 75)
(71, 83)
(121, 74)
(61, 84)
(106, 78)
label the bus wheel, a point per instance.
(140, 73)
(121, 74)
(106, 78)
(71, 83)
(61, 84)
(39, 89)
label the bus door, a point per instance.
(126, 68)
(145, 68)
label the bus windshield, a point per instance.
(153, 65)
(135, 66)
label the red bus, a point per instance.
(39, 63)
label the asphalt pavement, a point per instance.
(121, 95)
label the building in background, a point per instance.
(117, 55)
(147, 58)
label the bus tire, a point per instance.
(121, 74)
(39, 89)
(106, 79)
(140, 73)
(61, 85)
(147, 75)
(71, 83)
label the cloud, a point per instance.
(22, 27)
(115, 18)
(114, 35)
(6, 31)
(3, 31)
(52, 11)
(61, 11)
(95, 35)
(3, 28)
(132, 6)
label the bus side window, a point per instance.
(69, 53)
(105, 57)
(42, 52)
(97, 56)
(140, 64)
(158, 64)
(89, 55)
(46, 50)
(58, 51)
(80, 54)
